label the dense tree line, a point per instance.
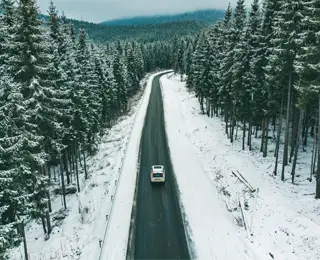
(142, 33)
(260, 72)
(58, 91)
(209, 16)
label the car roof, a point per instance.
(157, 167)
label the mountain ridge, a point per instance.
(206, 15)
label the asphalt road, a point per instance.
(159, 231)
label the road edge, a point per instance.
(186, 225)
(132, 229)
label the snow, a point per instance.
(78, 231)
(282, 220)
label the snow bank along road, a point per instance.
(159, 231)
(282, 219)
(115, 242)
(210, 226)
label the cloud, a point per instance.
(101, 10)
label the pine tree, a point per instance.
(187, 56)
(67, 76)
(201, 70)
(82, 120)
(215, 50)
(57, 97)
(29, 64)
(236, 54)
(139, 61)
(11, 200)
(180, 53)
(286, 30)
(252, 71)
(122, 81)
(7, 21)
(53, 22)
(107, 86)
(21, 141)
(307, 65)
(225, 66)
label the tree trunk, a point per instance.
(266, 136)
(62, 183)
(286, 144)
(250, 134)
(263, 134)
(294, 127)
(237, 128)
(65, 164)
(305, 129)
(54, 173)
(318, 166)
(293, 172)
(85, 164)
(312, 131)
(274, 121)
(313, 155)
(244, 134)
(314, 162)
(49, 201)
(286, 138)
(47, 172)
(70, 164)
(73, 155)
(77, 172)
(201, 104)
(233, 123)
(305, 138)
(90, 142)
(23, 235)
(44, 225)
(79, 154)
(48, 222)
(226, 119)
(278, 136)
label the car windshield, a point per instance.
(157, 174)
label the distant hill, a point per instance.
(208, 16)
(142, 33)
(157, 28)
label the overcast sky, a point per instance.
(101, 10)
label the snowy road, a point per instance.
(159, 228)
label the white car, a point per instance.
(157, 173)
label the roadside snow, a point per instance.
(282, 220)
(116, 240)
(77, 231)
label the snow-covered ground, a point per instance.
(78, 235)
(282, 219)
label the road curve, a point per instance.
(159, 231)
